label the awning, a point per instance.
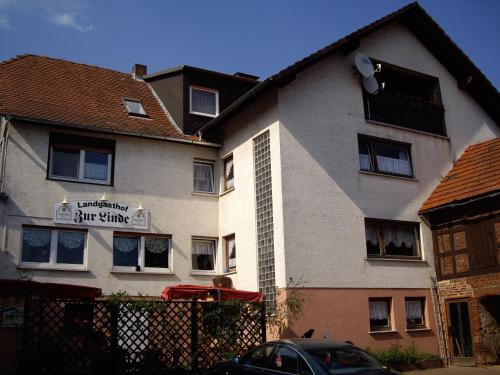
(201, 292)
(19, 288)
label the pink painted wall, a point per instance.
(343, 314)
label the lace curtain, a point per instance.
(203, 248)
(203, 178)
(398, 166)
(414, 310)
(96, 166)
(232, 253)
(372, 235)
(229, 173)
(203, 101)
(399, 235)
(156, 245)
(71, 240)
(125, 244)
(36, 237)
(379, 310)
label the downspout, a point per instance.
(4, 139)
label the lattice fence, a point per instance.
(81, 337)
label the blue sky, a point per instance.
(254, 36)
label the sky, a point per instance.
(258, 37)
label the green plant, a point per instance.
(286, 310)
(397, 355)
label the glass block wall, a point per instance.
(264, 213)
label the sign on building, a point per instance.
(101, 214)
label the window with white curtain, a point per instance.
(141, 253)
(391, 238)
(203, 254)
(204, 101)
(203, 177)
(228, 173)
(387, 158)
(230, 253)
(380, 314)
(415, 312)
(47, 247)
(79, 159)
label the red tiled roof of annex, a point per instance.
(63, 92)
(476, 173)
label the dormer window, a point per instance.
(135, 108)
(203, 101)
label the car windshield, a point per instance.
(345, 360)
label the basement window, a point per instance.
(135, 108)
(391, 239)
(409, 99)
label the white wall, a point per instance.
(326, 198)
(158, 174)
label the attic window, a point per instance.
(135, 108)
(204, 102)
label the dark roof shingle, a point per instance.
(59, 91)
(476, 173)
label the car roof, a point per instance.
(313, 343)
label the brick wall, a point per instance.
(472, 289)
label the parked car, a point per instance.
(303, 357)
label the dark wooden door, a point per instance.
(460, 335)
(482, 244)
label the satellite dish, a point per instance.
(371, 85)
(364, 65)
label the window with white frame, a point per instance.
(230, 253)
(384, 157)
(203, 173)
(391, 239)
(380, 314)
(204, 101)
(135, 107)
(145, 253)
(53, 247)
(203, 254)
(415, 312)
(228, 173)
(81, 159)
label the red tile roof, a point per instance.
(476, 173)
(59, 91)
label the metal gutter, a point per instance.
(454, 205)
(113, 131)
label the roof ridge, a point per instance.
(24, 55)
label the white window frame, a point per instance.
(212, 167)
(143, 110)
(81, 167)
(52, 264)
(191, 111)
(227, 254)
(141, 261)
(216, 258)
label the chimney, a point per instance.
(139, 71)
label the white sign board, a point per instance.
(101, 214)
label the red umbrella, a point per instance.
(202, 292)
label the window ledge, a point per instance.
(407, 129)
(143, 272)
(106, 183)
(389, 175)
(396, 260)
(386, 331)
(203, 273)
(232, 272)
(418, 330)
(204, 194)
(226, 192)
(203, 114)
(52, 268)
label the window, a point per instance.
(81, 159)
(344, 360)
(203, 255)
(415, 312)
(135, 108)
(204, 102)
(387, 158)
(53, 247)
(380, 313)
(228, 173)
(259, 357)
(391, 239)
(204, 177)
(230, 253)
(409, 99)
(141, 253)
